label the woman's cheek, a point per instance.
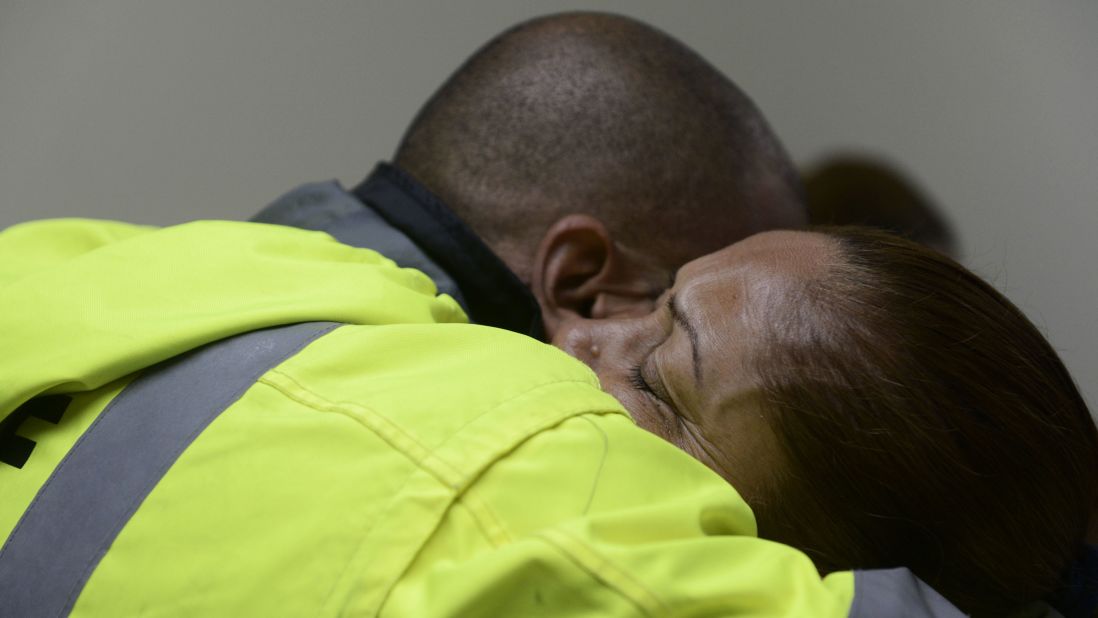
(653, 421)
(645, 412)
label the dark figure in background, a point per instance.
(862, 190)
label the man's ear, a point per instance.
(579, 272)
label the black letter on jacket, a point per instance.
(15, 450)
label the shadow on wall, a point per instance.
(848, 189)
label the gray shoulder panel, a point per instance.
(897, 593)
(327, 207)
(113, 467)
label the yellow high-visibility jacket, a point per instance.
(404, 464)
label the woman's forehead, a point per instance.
(760, 258)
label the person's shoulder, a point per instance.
(462, 393)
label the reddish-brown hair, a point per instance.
(925, 423)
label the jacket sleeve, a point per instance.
(28, 248)
(598, 518)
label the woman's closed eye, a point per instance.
(655, 391)
(636, 378)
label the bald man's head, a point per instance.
(600, 114)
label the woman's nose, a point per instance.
(575, 338)
(604, 342)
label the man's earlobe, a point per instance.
(581, 273)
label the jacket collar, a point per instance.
(408, 224)
(493, 294)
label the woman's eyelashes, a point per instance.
(636, 378)
(636, 373)
(639, 382)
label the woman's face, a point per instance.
(683, 371)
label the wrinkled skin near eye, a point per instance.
(684, 370)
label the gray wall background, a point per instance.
(161, 112)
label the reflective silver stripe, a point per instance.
(112, 468)
(326, 207)
(897, 593)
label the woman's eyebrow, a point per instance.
(680, 319)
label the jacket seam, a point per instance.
(324, 406)
(605, 571)
(602, 463)
(476, 507)
(359, 413)
(368, 417)
(488, 522)
(459, 429)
